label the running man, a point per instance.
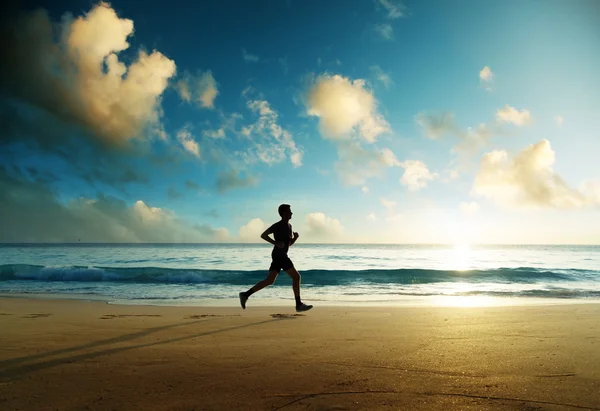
(284, 238)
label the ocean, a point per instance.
(344, 274)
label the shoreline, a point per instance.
(58, 354)
(407, 301)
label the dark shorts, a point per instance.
(281, 263)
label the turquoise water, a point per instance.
(213, 274)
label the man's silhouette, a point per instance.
(284, 238)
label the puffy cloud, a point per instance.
(509, 114)
(527, 180)
(371, 217)
(251, 232)
(233, 179)
(381, 76)
(323, 228)
(416, 174)
(356, 164)
(188, 142)
(469, 208)
(486, 74)
(70, 100)
(345, 107)
(394, 9)
(30, 212)
(384, 30)
(80, 78)
(249, 57)
(486, 78)
(365, 190)
(201, 89)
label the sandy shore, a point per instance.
(75, 355)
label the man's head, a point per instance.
(285, 211)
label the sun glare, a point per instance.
(460, 257)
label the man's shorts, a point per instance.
(281, 263)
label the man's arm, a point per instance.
(265, 235)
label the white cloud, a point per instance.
(371, 217)
(527, 180)
(510, 114)
(394, 9)
(416, 174)
(469, 208)
(251, 232)
(202, 89)
(80, 78)
(272, 142)
(486, 78)
(345, 107)
(188, 142)
(559, 120)
(321, 227)
(381, 76)
(384, 30)
(249, 57)
(486, 74)
(365, 190)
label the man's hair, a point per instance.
(283, 208)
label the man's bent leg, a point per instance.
(257, 287)
(270, 279)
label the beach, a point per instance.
(83, 355)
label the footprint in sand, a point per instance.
(112, 316)
(195, 317)
(40, 315)
(286, 315)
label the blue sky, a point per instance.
(378, 121)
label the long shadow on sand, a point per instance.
(94, 344)
(19, 371)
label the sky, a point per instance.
(378, 121)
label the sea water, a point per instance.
(348, 274)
